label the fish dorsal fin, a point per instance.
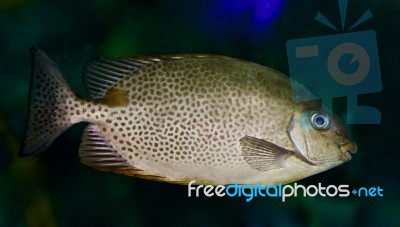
(263, 155)
(97, 152)
(103, 73)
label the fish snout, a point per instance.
(348, 149)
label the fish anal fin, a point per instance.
(263, 155)
(97, 152)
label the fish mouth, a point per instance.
(348, 149)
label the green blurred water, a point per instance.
(54, 189)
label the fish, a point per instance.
(177, 118)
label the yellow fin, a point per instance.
(115, 97)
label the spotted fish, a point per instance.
(177, 118)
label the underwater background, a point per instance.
(54, 189)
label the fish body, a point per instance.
(212, 119)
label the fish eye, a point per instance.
(320, 120)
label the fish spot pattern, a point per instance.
(195, 110)
(49, 109)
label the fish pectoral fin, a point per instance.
(263, 155)
(96, 151)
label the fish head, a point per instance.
(318, 137)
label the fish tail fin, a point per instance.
(48, 105)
